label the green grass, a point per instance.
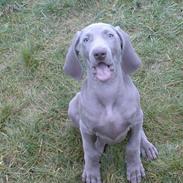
(36, 142)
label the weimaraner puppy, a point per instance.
(108, 105)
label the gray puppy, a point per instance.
(108, 105)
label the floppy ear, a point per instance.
(130, 60)
(72, 65)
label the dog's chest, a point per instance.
(110, 123)
(109, 114)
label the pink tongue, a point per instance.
(103, 72)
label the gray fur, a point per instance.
(108, 105)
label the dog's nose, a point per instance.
(100, 53)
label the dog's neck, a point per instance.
(106, 92)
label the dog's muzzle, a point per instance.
(102, 66)
(103, 71)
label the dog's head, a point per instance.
(104, 48)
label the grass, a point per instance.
(36, 142)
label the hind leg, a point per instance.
(148, 150)
(73, 111)
(100, 145)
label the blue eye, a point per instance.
(110, 35)
(85, 40)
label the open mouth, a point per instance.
(103, 71)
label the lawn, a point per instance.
(37, 144)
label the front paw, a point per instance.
(135, 172)
(91, 176)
